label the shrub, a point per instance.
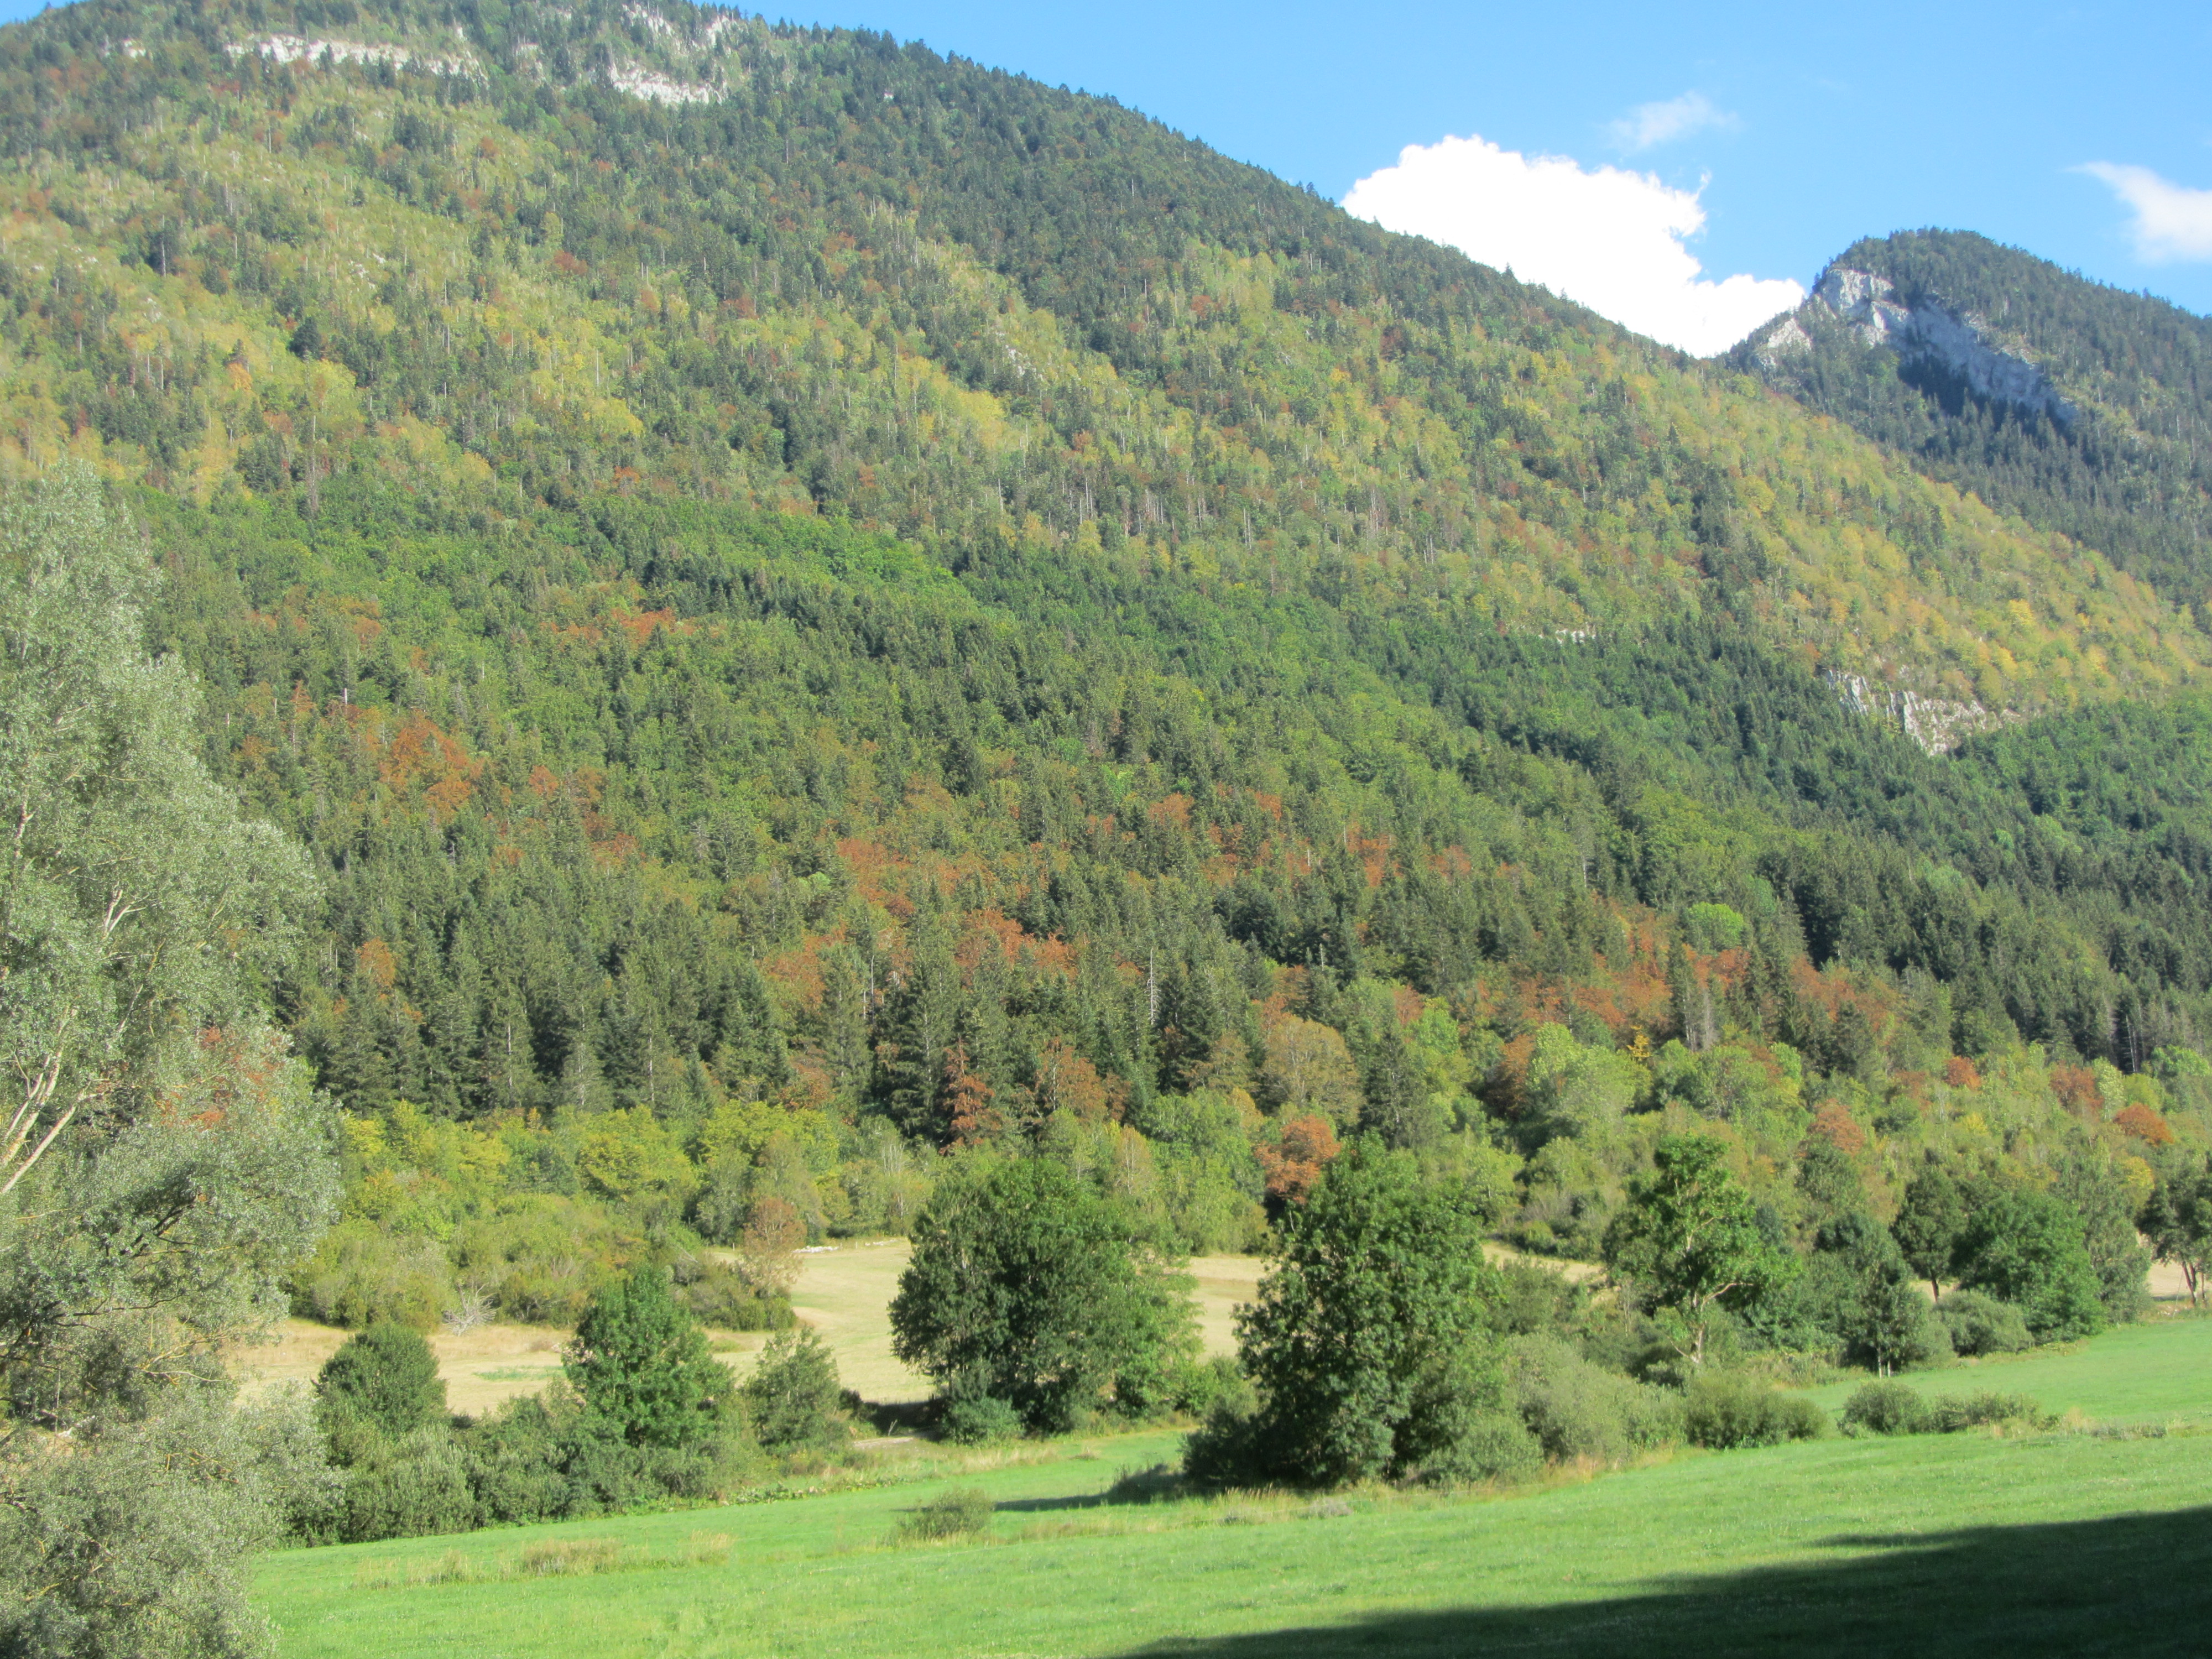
(413, 1486)
(1980, 1324)
(387, 1378)
(544, 1254)
(963, 1513)
(975, 1419)
(1532, 1298)
(1889, 1407)
(1576, 1410)
(550, 1458)
(1728, 1410)
(1209, 1383)
(1222, 1453)
(517, 1458)
(1953, 1413)
(362, 1274)
(1885, 1407)
(793, 1396)
(1494, 1445)
(726, 1299)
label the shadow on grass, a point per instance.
(2128, 1585)
(1161, 1484)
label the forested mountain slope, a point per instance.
(769, 565)
(2078, 406)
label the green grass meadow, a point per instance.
(2074, 1542)
(2157, 1372)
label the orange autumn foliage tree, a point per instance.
(1295, 1162)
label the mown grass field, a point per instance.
(2157, 1372)
(2068, 1543)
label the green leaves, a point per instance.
(1929, 1223)
(792, 1399)
(1027, 1286)
(2027, 1248)
(1370, 1341)
(642, 1365)
(135, 899)
(1688, 1243)
(386, 1377)
(162, 1158)
(168, 1158)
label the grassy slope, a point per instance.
(2071, 1544)
(2150, 1373)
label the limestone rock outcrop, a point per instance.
(1928, 331)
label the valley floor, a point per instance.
(2080, 1541)
(843, 1292)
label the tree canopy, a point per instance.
(1027, 1287)
(1372, 1341)
(642, 1365)
(1688, 1243)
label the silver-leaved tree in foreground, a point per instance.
(162, 1158)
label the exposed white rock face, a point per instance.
(1785, 337)
(1938, 724)
(298, 48)
(646, 83)
(699, 54)
(1861, 300)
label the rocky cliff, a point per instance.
(1926, 333)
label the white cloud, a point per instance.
(1610, 239)
(1650, 125)
(2171, 221)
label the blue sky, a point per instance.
(1796, 129)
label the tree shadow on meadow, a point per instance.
(2139, 1584)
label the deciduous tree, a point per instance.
(1371, 1340)
(2025, 1247)
(1688, 1243)
(1029, 1287)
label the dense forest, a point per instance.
(2122, 464)
(629, 638)
(814, 604)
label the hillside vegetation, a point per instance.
(892, 608)
(2124, 465)
(635, 639)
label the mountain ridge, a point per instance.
(856, 601)
(1506, 433)
(2078, 405)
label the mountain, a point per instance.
(765, 562)
(2081, 408)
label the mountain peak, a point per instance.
(2081, 407)
(1933, 340)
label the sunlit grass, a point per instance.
(1810, 1548)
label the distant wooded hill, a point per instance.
(2106, 438)
(765, 562)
